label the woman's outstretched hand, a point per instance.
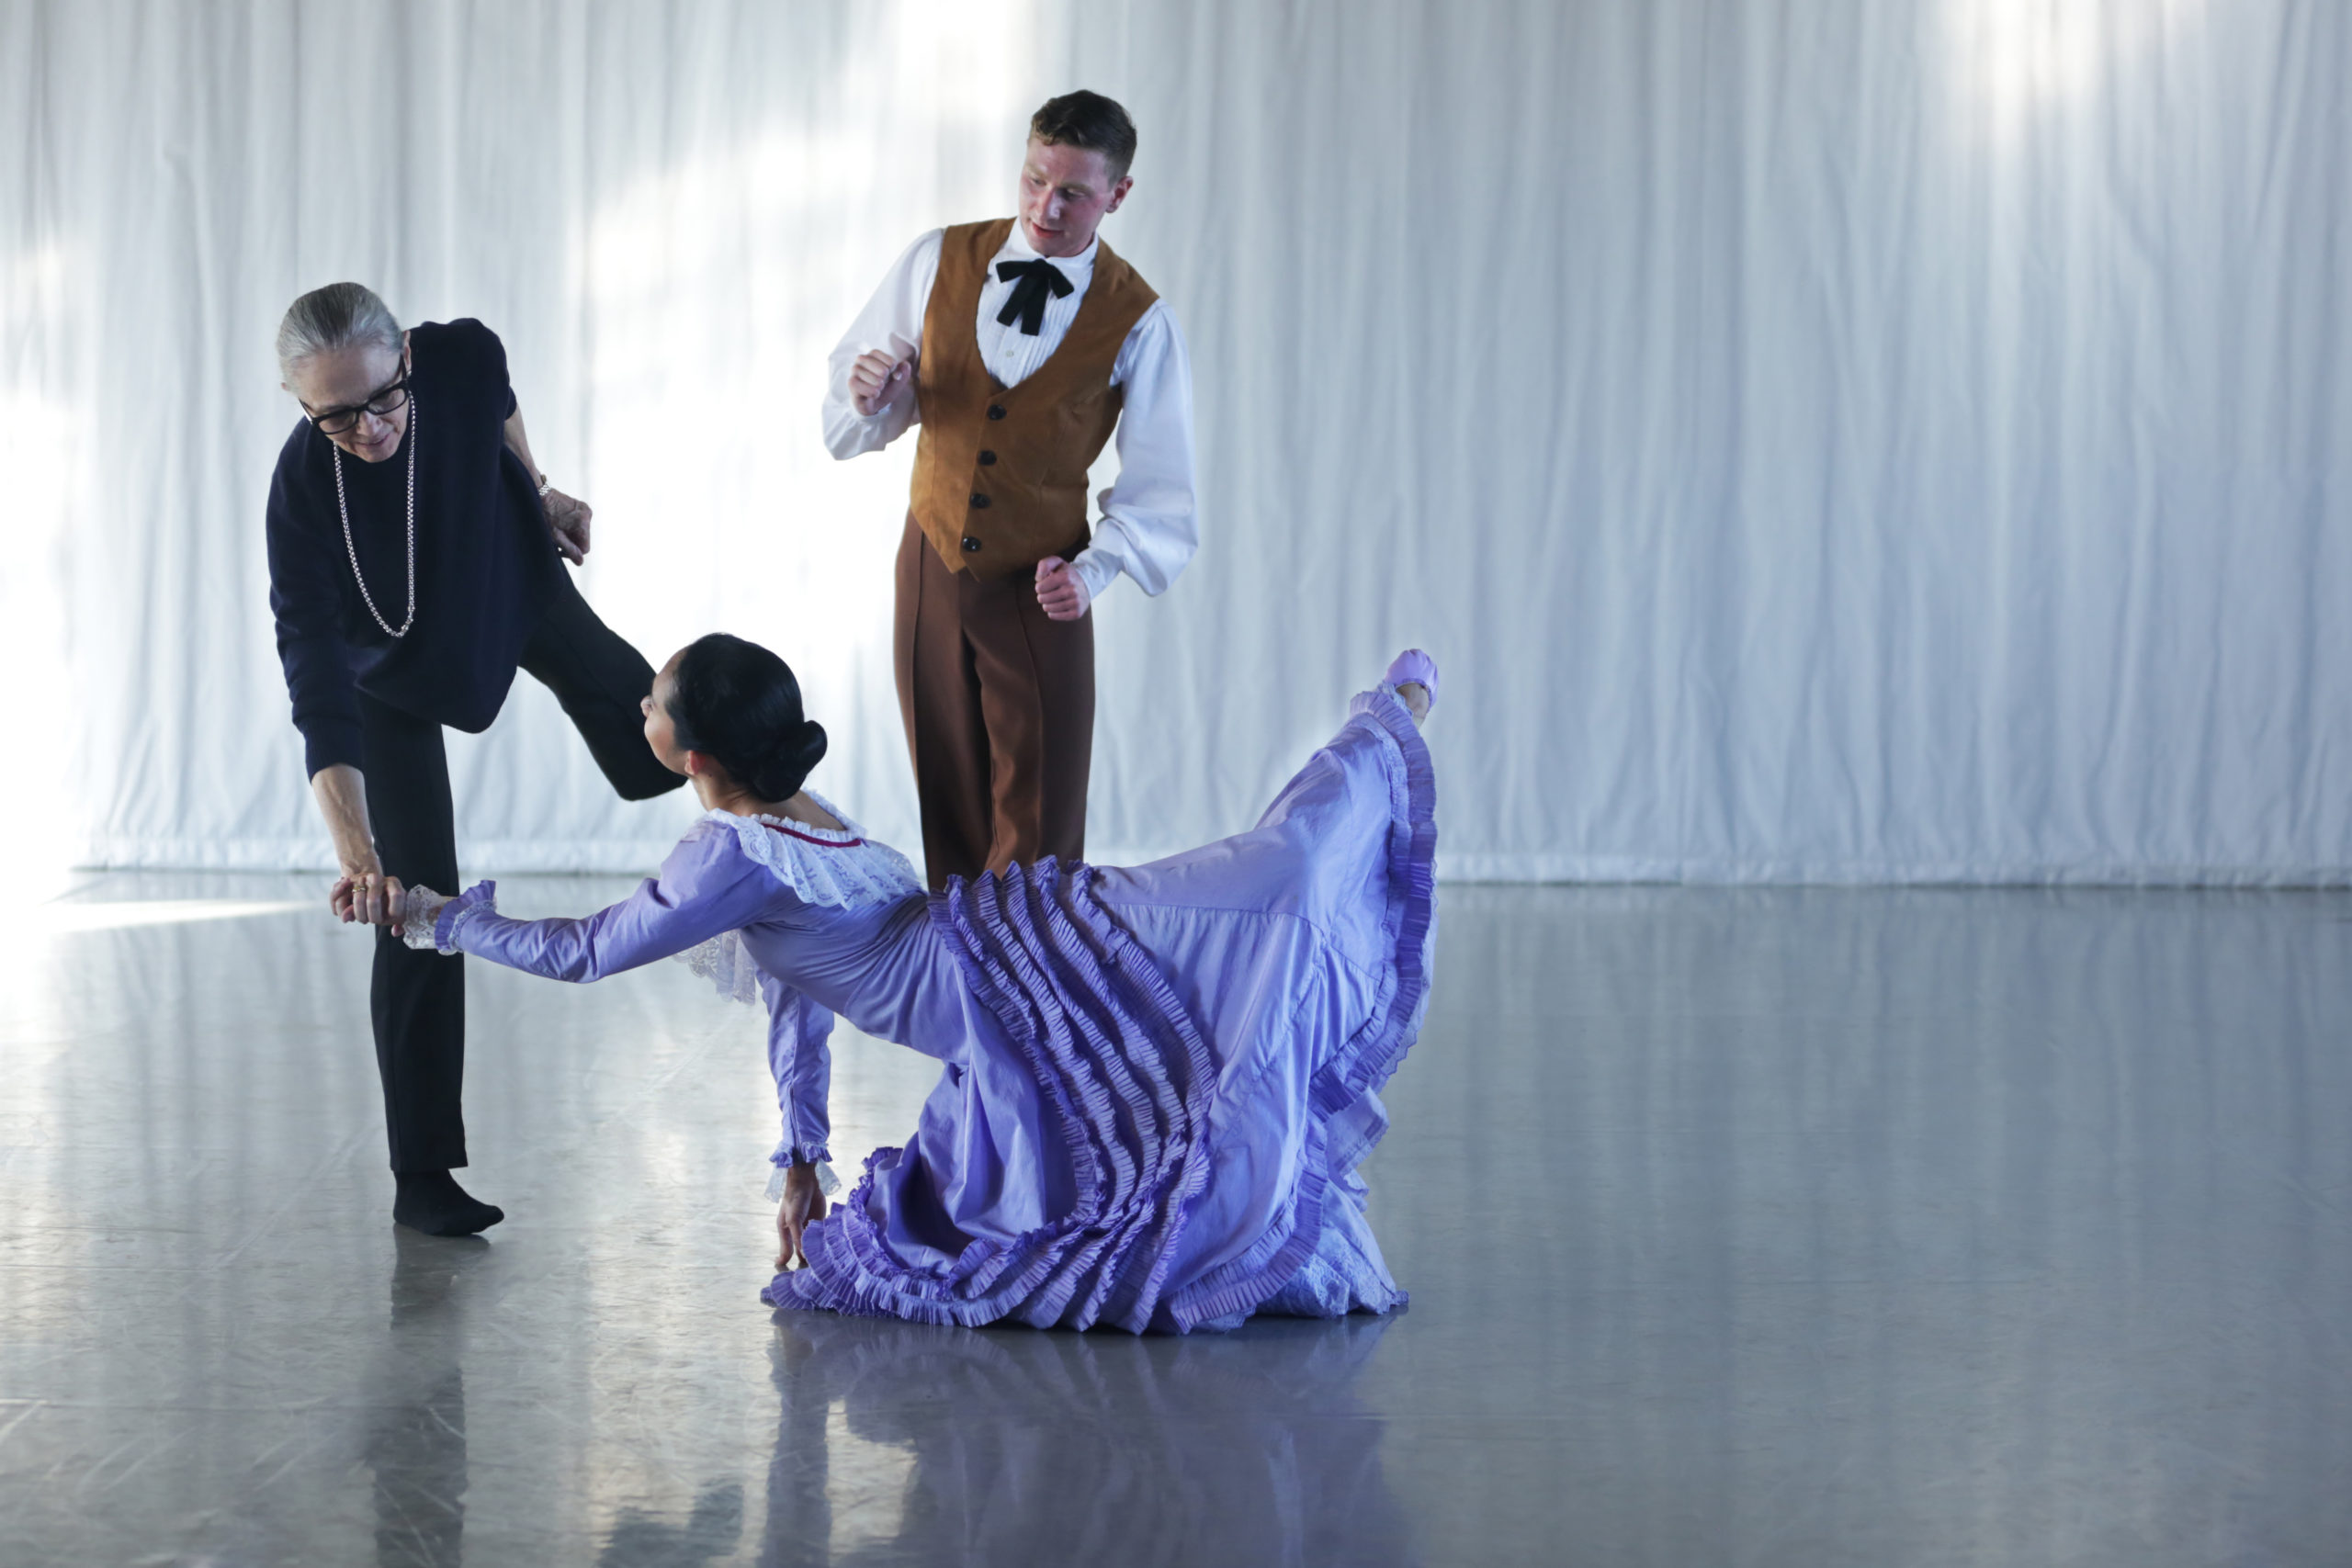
(567, 519)
(367, 895)
(803, 1206)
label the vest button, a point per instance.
(979, 502)
(971, 546)
(996, 411)
(988, 459)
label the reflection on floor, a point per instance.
(1742, 1226)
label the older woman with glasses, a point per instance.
(415, 563)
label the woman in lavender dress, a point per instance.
(1157, 1080)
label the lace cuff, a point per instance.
(786, 1156)
(428, 920)
(419, 913)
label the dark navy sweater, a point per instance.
(485, 563)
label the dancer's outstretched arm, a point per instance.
(705, 887)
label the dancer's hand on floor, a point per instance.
(1060, 589)
(877, 381)
(365, 895)
(803, 1206)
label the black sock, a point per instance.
(432, 1202)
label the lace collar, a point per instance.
(837, 867)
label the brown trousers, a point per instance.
(999, 704)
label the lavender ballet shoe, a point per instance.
(1415, 666)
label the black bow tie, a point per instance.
(1028, 301)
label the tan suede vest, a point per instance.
(1000, 479)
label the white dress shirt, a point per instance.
(1149, 528)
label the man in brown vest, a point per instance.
(1020, 346)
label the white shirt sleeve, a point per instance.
(891, 323)
(1149, 527)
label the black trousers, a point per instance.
(418, 999)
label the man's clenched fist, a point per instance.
(877, 381)
(1060, 589)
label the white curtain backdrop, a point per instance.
(1822, 439)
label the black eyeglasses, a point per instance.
(335, 421)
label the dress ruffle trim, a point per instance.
(1130, 1075)
(1125, 1065)
(839, 869)
(1348, 1121)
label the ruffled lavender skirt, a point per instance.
(1199, 1043)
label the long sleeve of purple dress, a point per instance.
(702, 889)
(799, 1055)
(706, 889)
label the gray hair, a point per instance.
(337, 316)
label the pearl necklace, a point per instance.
(344, 507)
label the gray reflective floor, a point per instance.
(1815, 1227)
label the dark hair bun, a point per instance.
(735, 701)
(778, 776)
